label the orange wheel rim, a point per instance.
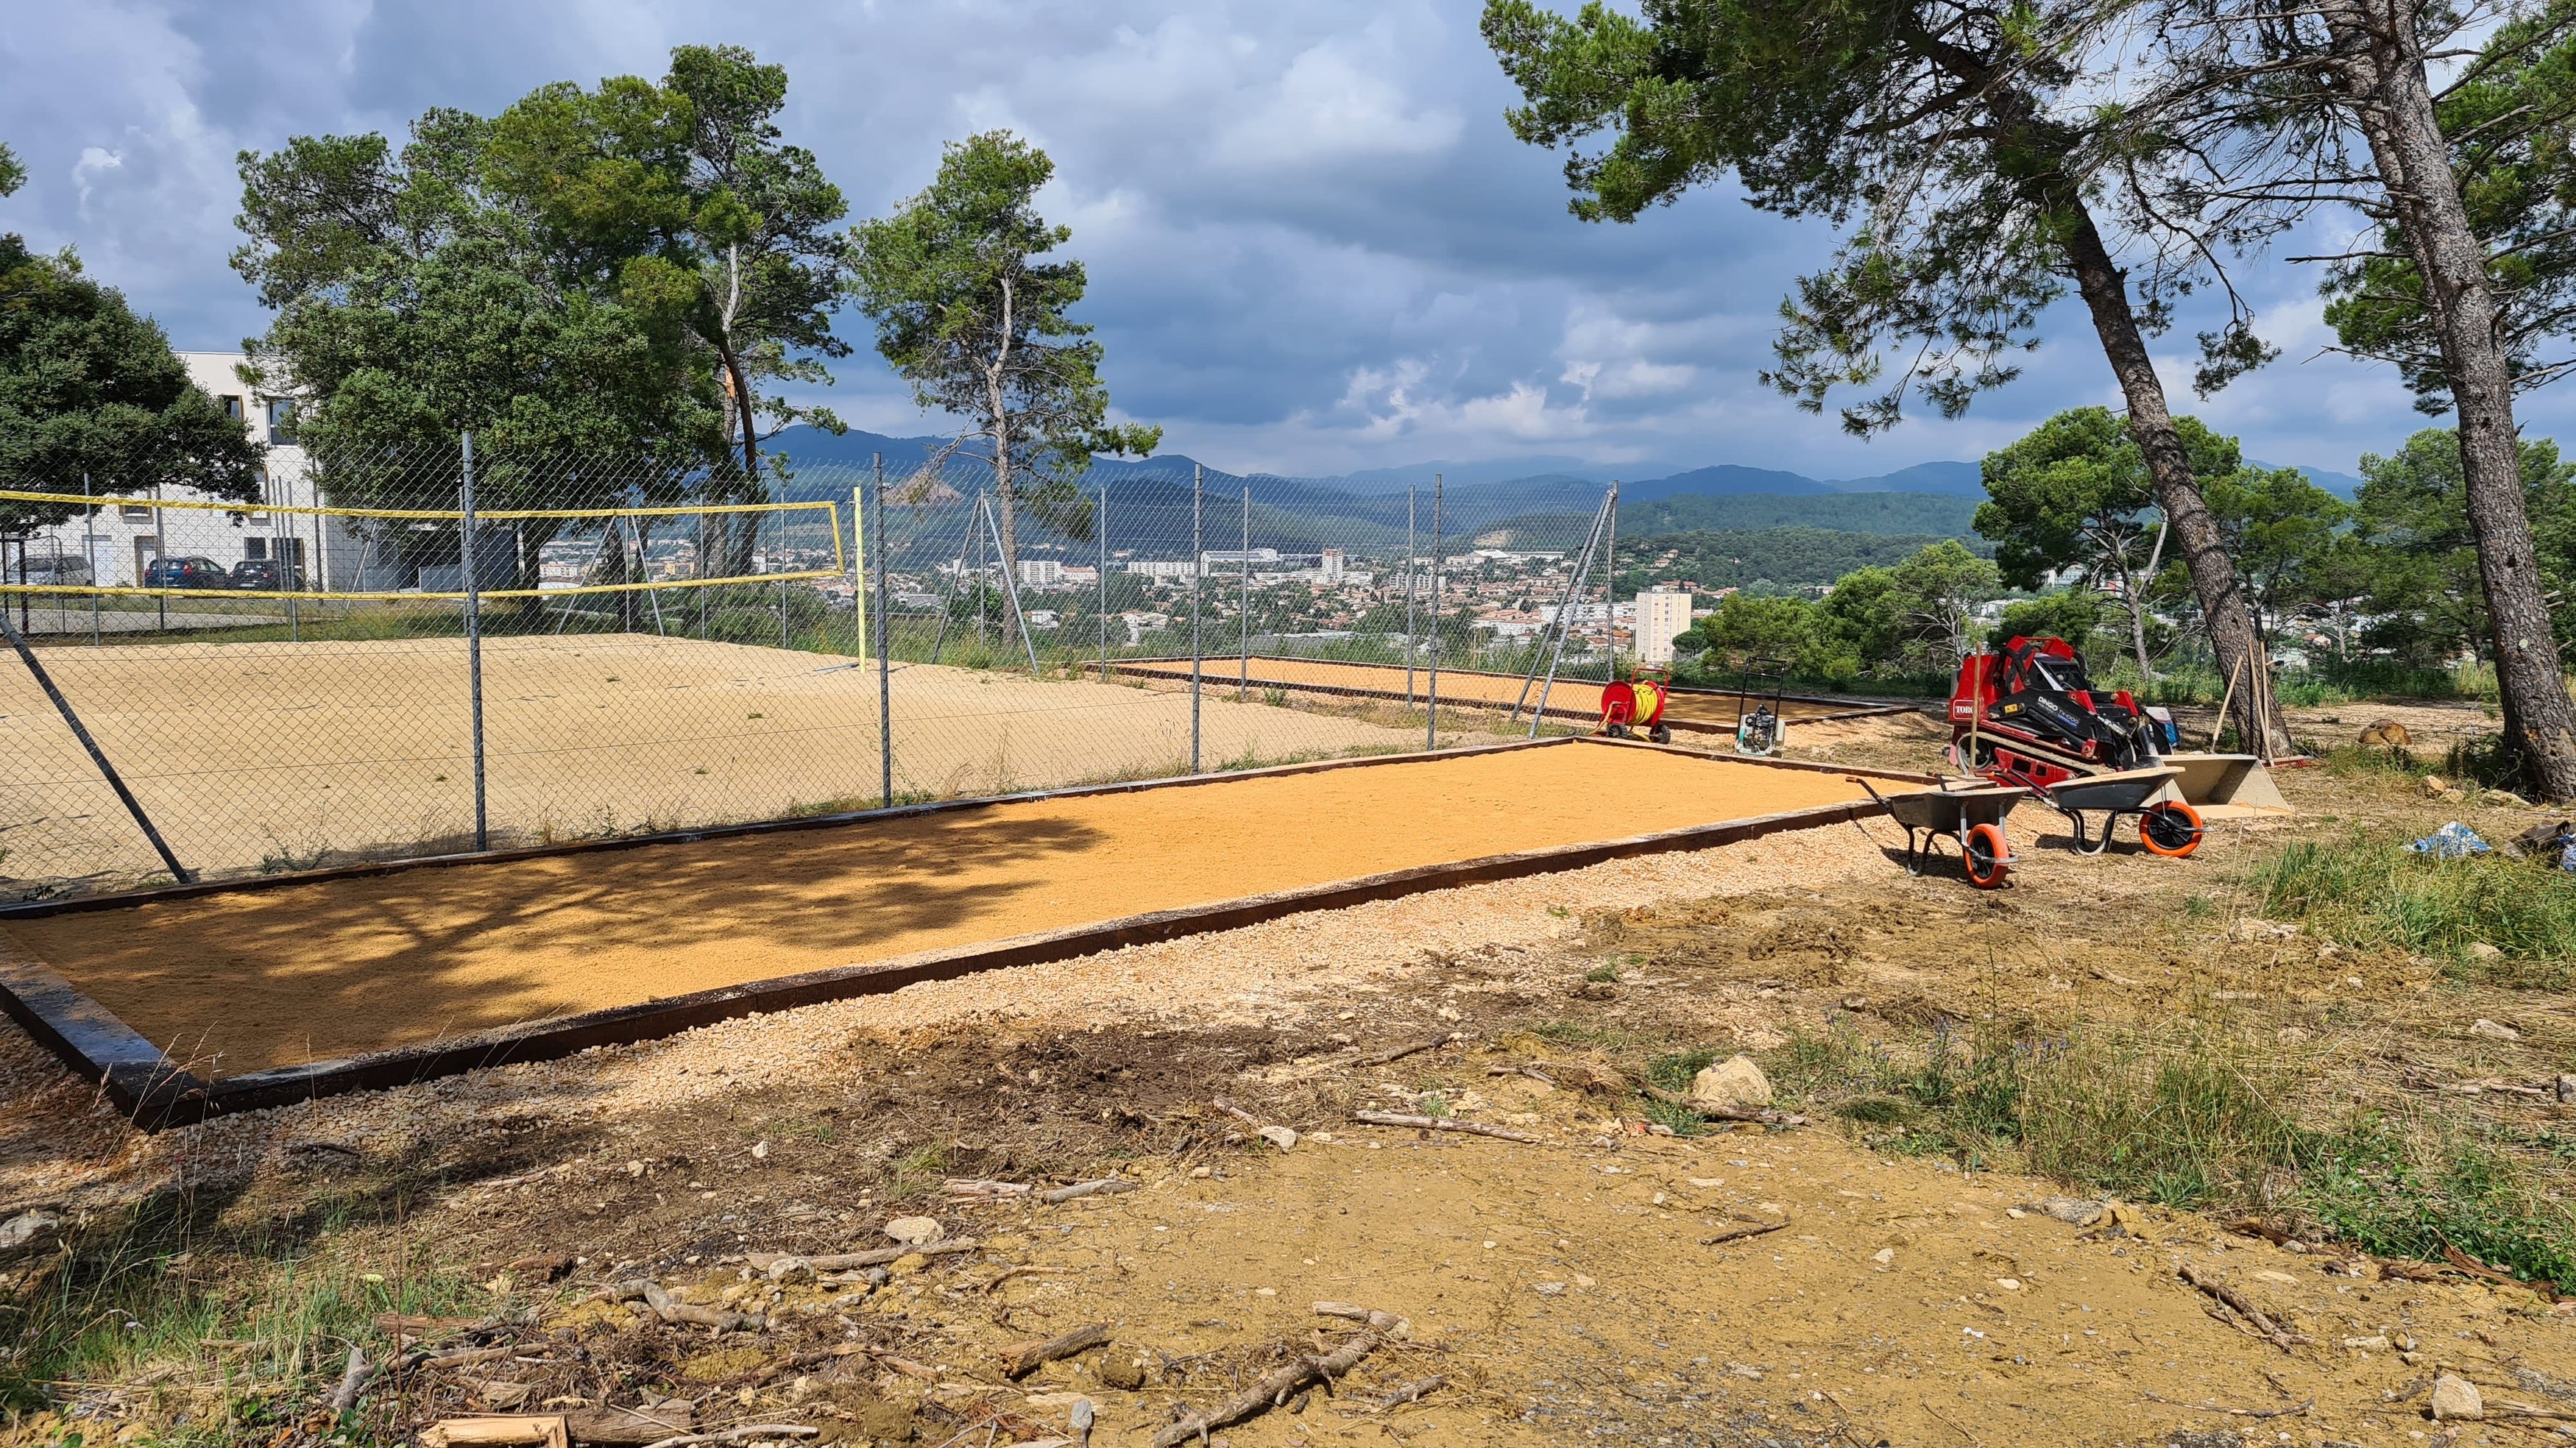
(2185, 815)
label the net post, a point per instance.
(89, 555)
(1198, 567)
(1431, 717)
(1610, 590)
(474, 643)
(160, 557)
(885, 676)
(97, 756)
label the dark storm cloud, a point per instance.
(1313, 243)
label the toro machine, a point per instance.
(1633, 704)
(2027, 715)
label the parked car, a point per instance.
(61, 570)
(268, 575)
(186, 573)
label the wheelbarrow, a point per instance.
(2166, 826)
(1969, 813)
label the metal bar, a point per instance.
(1610, 592)
(1565, 621)
(1243, 606)
(1410, 548)
(97, 755)
(885, 673)
(1198, 566)
(1104, 583)
(939, 640)
(1556, 626)
(1431, 691)
(89, 555)
(160, 553)
(1011, 590)
(474, 646)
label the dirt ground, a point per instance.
(267, 756)
(293, 974)
(1695, 710)
(1601, 1283)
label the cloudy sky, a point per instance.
(1313, 244)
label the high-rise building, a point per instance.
(1661, 613)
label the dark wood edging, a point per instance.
(157, 1093)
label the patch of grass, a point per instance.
(919, 1171)
(1680, 1119)
(1673, 1070)
(2398, 1194)
(151, 1300)
(2367, 892)
(2185, 1120)
(1603, 974)
(1434, 1103)
(1934, 1094)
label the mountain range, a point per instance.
(1153, 495)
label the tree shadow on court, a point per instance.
(295, 974)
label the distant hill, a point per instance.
(1789, 557)
(1720, 481)
(1888, 513)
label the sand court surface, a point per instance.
(278, 756)
(1577, 698)
(284, 975)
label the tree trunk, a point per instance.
(2138, 633)
(2379, 71)
(2105, 288)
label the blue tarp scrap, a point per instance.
(2452, 841)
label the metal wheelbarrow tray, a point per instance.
(1969, 813)
(2166, 826)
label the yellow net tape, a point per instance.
(831, 520)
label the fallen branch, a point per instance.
(1742, 1230)
(470, 1356)
(671, 1309)
(1021, 1359)
(1382, 1322)
(1107, 1186)
(741, 1434)
(630, 1425)
(1272, 1390)
(353, 1383)
(1239, 1114)
(1442, 1123)
(1398, 1053)
(2264, 1327)
(2257, 1414)
(964, 1189)
(873, 1257)
(1411, 1393)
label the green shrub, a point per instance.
(2373, 893)
(2394, 1198)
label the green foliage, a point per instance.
(2182, 1120)
(2509, 117)
(2282, 533)
(1930, 131)
(971, 314)
(2363, 891)
(1919, 515)
(2412, 529)
(1764, 560)
(13, 172)
(2071, 614)
(2070, 495)
(2396, 1197)
(1929, 598)
(88, 387)
(612, 273)
(1746, 627)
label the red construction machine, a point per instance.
(2028, 715)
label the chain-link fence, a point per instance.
(432, 652)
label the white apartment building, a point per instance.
(1041, 572)
(120, 543)
(1661, 613)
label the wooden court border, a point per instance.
(157, 1092)
(1210, 676)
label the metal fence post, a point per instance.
(1431, 720)
(1243, 606)
(474, 646)
(885, 673)
(1104, 583)
(859, 568)
(89, 555)
(1610, 591)
(1198, 567)
(160, 555)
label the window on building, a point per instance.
(133, 514)
(281, 421)
(254, 548)
(233, 408)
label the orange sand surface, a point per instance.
(1701, 710)
(232, 983)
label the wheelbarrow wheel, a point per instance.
(2171, 829)
(1985, 856)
